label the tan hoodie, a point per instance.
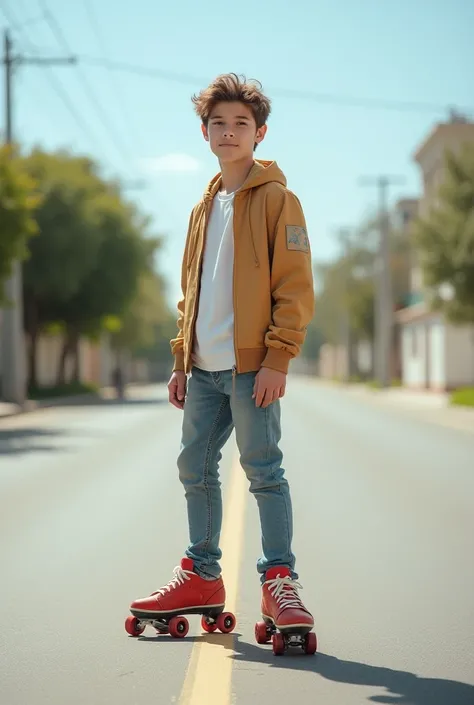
(272, 277)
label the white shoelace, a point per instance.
(180, 576)
(284, 590)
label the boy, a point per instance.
(247, 300)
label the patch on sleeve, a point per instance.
(297, 238)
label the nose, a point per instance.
(228, 133)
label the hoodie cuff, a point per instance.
(178, 361)
(277, 359)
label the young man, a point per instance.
(247, 300)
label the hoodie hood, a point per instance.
(262, 172)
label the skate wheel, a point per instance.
(208, 627)
(133, 627)
(262, 635)
(226, 622)
(179, 627)
(310, 643)
(278, 644)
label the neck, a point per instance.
(235, 173)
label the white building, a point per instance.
(435, 354)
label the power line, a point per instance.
(56, 84)
(102, 46)
(14, 373)
(120, 145)
(327, 98)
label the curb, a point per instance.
(34, 405)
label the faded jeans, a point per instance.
(215, 405)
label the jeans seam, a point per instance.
(206, 471)
(267, 435)
(282, 494)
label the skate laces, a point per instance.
(179, 576)
(284, 591)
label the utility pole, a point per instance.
(344, 236)
(383, 311)
(13, 356)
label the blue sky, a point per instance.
(420, 51)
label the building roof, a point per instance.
(440, 130)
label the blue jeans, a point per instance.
(212, 410)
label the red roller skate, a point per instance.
(186, 593)
(286, 621)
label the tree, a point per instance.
(18, 201)
(86, 263)
(445, 239)
(345, 305)
(112, 283)
(68, 242)
(146, 311)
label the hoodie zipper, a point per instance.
(196, 302)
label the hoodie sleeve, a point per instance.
(177, 343)
(292, 286)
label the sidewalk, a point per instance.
(7, 409)
(105, 395)
(433, 407)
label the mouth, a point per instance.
(228, 145)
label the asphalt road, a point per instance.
(92, 515)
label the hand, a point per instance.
(269, 386)
(177, 389)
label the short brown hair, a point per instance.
(230, 87)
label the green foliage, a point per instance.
(445, 238)
(18, 200)
(62, 390)
(146, 311)
(347, 287)
(312, 345)
(110, 284)
(91, 265)
(463, 396)
(69, 234)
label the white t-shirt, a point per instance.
(214, 332)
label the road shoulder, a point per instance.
(423, 406)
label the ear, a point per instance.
(205, 132)
(261, 132)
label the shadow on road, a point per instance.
(27, 440)
(90, 400)
(399, 686)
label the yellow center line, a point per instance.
(208, 680)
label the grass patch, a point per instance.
(62, 390)
(463, 396)
(375, 384)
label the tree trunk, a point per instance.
(61, 380)
(76, 373)
(32, 330)
(32, 360)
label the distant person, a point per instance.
(247, 300)
(118, 382)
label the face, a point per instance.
(232, 132)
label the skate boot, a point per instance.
(286, 621)
(186, 593)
